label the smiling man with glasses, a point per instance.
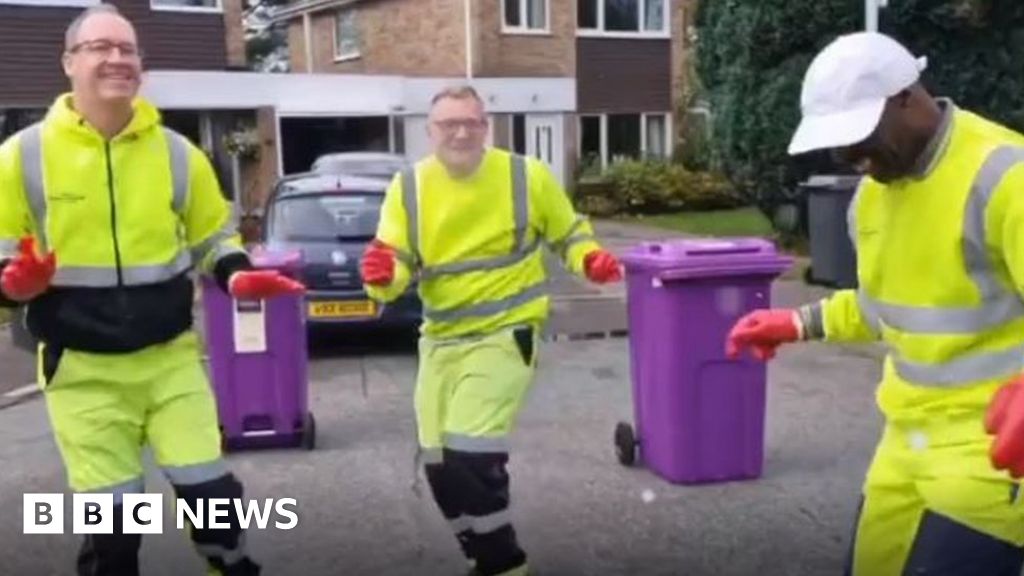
(103, 215)
(470, 223)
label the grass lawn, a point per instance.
(738, 222)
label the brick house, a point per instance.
(176, 36)
(615, 67)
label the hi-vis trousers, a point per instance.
(933, 504)
(105, 407)
(468, 396)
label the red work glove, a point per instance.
(1005, 420)
(26, 276)
(601, 266)
(261, 284)
(763, 331)
(378, 266)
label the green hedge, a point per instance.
(654, 186)
(752, 54)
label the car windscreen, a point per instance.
(348, 216)
(359, 167)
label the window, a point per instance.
(346, 35)
(616, 17)
(525, 15)
(656, 136)
(331, 217)
(519, 133)
(187, 5)
(610, 138)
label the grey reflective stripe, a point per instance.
(228, 555)
(216, 245)
(475, 444)
(8, 248)
(868, 311)
(976, 256)
(179, 148)
(924, 320)
(813, 325)
(411, 202)
(432, 455)
(133, 486)
(481, 524)
(104, 276)
(461, 524)
(32, 178)
(966, 369)
(491, 522)
(520, 200)
(196, 473)
(406, 258)
(851, 215)
(481, 264)
(487, 308)
(572, 237)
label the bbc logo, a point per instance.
(93, 513)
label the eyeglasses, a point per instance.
(452, 126)
(105, 48)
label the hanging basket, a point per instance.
(243, 144)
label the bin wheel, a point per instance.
(625, 444)
(309, 432)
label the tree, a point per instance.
(266, 42)
(752, 55)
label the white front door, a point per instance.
(545, 140)
(417, 143)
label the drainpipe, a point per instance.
(469, 37)
(307, 31)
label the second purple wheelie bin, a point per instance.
(699, 416)
(259, 363)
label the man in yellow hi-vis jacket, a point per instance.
(103, 213)
(938, 226)
(470, 224)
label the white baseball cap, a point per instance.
(846, 87)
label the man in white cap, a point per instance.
(938, 225)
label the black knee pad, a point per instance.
(483, 475)
(227, 487)
(110, 554)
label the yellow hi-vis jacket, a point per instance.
(940, 264)
(475, 245)
(127, 219)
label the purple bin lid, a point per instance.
(706, 257)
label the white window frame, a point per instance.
(51, 3)
(604, 133)
(600, 32)
(339, 57)
(524, 28)
(155, 6)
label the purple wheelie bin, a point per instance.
(258, 363)
(699, 416)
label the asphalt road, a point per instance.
(579, 511)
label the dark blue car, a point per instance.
(330, 219)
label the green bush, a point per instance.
(752, 55)
(653, 186)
